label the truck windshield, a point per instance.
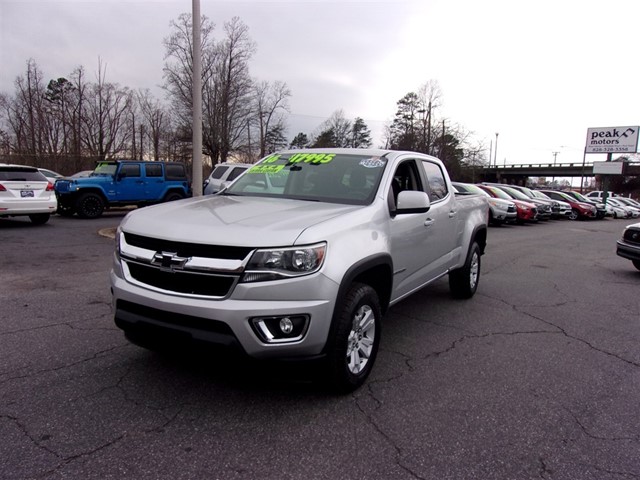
(105, 169)
(325, 177)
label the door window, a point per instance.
(436, 182)
(130, 170)
(153, 170)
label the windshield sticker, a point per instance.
(374, 162)
(266, 169)
(315, 158)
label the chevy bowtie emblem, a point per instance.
(169, 261)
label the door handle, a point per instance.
(452, 213)
(428, 222)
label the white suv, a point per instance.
(24, 191)
(223, 172)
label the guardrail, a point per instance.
(549, 165)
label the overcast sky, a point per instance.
(538, 73)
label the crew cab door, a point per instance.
(129, 184)
(154, 184)
(422, 243)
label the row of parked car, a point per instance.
(38, 193)
(518, 204)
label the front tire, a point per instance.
(90, 205)
(636, 263)
(574, 215)
(354, 339)
(463, 282)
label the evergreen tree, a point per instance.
(300, 141)
(360, 134)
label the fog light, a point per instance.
(286, 325)
(280, 329)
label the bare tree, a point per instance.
(430, 99)
(26, 111)
(232, 86)
(270, 101)
(226, 84)
(156, 120)
(178, 67)
(335, 131)
(106, 125)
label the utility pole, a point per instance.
(442, 149)
(495, 153)
(555, 154)
(491, 152)
(196, 93)
(429, 129)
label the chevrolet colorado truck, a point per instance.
(302, 266)
(122, 183)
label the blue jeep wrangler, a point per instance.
(120, 183)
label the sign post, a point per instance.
(610, 140)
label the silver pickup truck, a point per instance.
(299, 257)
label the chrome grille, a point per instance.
(188, 269)
(180, 281)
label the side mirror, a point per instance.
(121, 175)
(411, 201)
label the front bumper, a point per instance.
(628, 251)
(228, 322)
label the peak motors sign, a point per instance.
(612, 140)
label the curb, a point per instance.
(108, 232)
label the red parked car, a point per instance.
(526, 211)
(579, 210)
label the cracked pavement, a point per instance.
(536, 377)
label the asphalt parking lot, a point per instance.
(536, 377)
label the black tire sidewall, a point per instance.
(172, 197)
(459, 280)
(339, 376)
(80, 206)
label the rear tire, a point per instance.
(463, 282)
(90, 205)
(39, 218)
(354, 339)
(172, 197)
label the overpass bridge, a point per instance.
(518, 173)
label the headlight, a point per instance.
(276, 264)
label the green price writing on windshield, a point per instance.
(267, 169)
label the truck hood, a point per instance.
(232, 220)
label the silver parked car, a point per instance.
(500, 210)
